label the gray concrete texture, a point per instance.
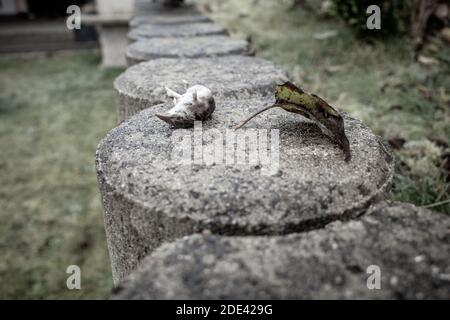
(197, 47)
(143, 85)
(162, 5)
(150, 197)
(409, 245)
(168, 18)
(146, 12)
(150, 31)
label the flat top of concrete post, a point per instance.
(227, 77)
(305, 184)
(159, 6)
(176, 31)
(197, 47)
(408, 246)
(168, 18)
(162, 15)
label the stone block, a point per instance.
(113, 44)
(143, 85)
(168, 18)
(407, 247)
(289, 179)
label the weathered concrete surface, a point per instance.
(197, 47)
(155, 13)
(411, 246)
(151, 197)
(109, 8)
(142, 86)
(144, 6)
(144, 32)
(168, 18)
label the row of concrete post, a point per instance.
(302, 224)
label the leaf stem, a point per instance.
(244, 122)
(436, 204)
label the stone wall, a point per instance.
(303, 224)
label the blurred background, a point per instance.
(57, 102)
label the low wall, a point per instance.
(271, 211)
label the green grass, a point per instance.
(378, 82)
(53, 112)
